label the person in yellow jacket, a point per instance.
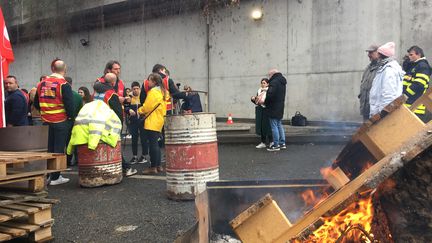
(95, 122)
(154, 111)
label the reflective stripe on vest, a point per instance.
(51, 100)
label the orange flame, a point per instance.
(357, 213)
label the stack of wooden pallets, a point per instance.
(27, 214)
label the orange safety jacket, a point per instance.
(50, 100)
(166, 86)
(120, 87)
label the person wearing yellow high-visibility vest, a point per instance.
(54, 99)
(416, 79)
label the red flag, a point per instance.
(6, 55)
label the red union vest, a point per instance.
(166, 86)
(120, 86)
(50, 100)
(108, 95)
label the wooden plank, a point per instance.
(58, 163)
(34, 184)
(264, 221)
(14, 232)
(202, 216)
(12, 213)
(45, 200)
(4, 218)
(41, 206)
(245, 215)
(5, 237)
(25, 176)
(41, 235)
(3, 170)
(391, 132)
(26, 209)
(21, 225)
(336, 177)
(414, 148)
(37, 185)
(40, 217)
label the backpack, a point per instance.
(298, 119)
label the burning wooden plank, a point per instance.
(264, 221)
(370, 178)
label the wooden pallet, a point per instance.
(25, 215)
(16, 159)
(14, 174)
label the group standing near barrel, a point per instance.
(141, 111)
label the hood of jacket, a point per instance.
(393, 64)
(100, 87)
(278, 77)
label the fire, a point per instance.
(310, 199)
(366, 166)
(346, 223)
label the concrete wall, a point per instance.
(317, 44)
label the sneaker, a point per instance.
(142, 160)
(261, 145)
(59, 181)
(128, 136)
(273, 148)
(134, 160)
(283, 146)
(130, 172)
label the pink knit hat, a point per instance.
(388, 49)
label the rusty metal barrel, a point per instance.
(191, 153)
(102, 166)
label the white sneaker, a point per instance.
(142, 160)
(261, 145)
(130, 172)
(59, 181)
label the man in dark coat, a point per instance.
(15, 103)
(275, 104)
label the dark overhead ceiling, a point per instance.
(49, 18)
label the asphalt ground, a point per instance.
(137, 210)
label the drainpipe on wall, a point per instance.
(208, 63)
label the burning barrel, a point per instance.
(191, 154)
(101, 166)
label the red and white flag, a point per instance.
(6, 55)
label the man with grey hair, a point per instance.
(275, 105)
(366, 81)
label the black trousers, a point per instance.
(155, 152)
(137, 131)
(58, 134)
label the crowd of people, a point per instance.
(142, 107)
(383, 81)
(139, 110)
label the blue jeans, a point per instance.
(277, 132)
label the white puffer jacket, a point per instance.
(386, 86)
